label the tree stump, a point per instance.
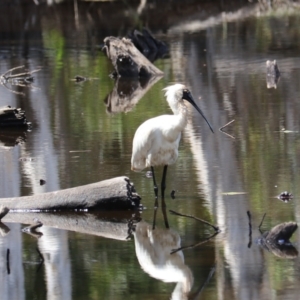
(127, 60)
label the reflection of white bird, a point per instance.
(153, 248)
(156, 140)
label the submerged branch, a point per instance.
(24, 74)
(262, 220)
(226, 125)
(221, 129)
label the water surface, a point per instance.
(79, 137)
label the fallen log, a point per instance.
(127, 60)
(112, 225)
(117, 193)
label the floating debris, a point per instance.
(173, 194)
(285, 196)
(149, 174)
(233, 193)
(79, 78)
(42, 181)
(78, 151)
(26, 159)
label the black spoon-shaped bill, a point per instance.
(188, 97)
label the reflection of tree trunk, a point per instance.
(107, 224)
(127, 92)
(55, 250)
(117, 193)
(11, 268)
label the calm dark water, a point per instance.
(80, 136)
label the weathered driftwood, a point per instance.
(273, 74)
(108, 224)
(127, 60)
(116, 193)
(277, 240)
(127, 92)
(11, 116)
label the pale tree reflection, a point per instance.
(54, 248)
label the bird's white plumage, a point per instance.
(153, 250)
(156, 141)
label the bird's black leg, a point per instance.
(154, 183)
(163, 181)
(156, 198)
(163, 203)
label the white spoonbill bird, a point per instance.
(156, 141)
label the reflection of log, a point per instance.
(10, 116)
(127, 60)
(116, 193)
(12, 136)
(113, 225)
(4, 230)
(127, 92)
(277, 240)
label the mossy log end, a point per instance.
(117, 193)
(127, 60)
